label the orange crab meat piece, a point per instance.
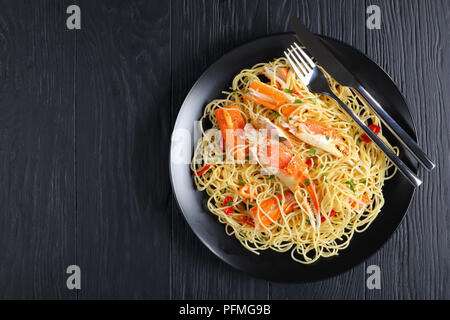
(269, 210)
(268, 96)
(230, 120)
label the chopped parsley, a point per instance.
(327, 137)
(229, 203)
(307, 183)
(249, 120)
(313, 151)
(321, 165)
(288, 91)
(313, 99)
(351, 184)
(281, 139)
(359, 140)
(298, 101)
(261, 106)
(276, 114)
(364, 181)
(271, 176)
(241, 182)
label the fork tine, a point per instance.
(308, 59)
(303, 61)
(294, 65)
(299, 63)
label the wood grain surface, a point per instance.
(123, 130)
(85, 123)
(37, 224)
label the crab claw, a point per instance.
(262, 122)
(320, 136)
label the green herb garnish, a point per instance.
(288, 90)
(351, 184)
(229, 203)
(327, 137)
(276, 114)
(313, 151)
(241, 182)
(307, 183)
(298, 101)
(281, 139)
(271, 176)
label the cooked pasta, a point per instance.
(326, 183)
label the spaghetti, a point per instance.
(344, 171)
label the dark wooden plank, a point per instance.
(202, 31)
(413, 46)
(343, 20)
(123, 134)
(37, 215)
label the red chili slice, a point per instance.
(201, 172)
(308, 162)
(228, 209)
(376, 129)
(329, 214)
(247, 220)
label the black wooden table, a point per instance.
(85, 125)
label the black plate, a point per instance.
(269, 264)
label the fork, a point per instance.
(316, 82)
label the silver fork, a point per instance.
(315, 80)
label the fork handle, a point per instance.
(402, 167)
(396, 129)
